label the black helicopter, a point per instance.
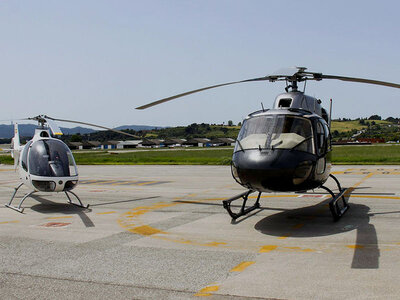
(286, 148)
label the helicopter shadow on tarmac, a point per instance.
(46, 206)
(315, 221)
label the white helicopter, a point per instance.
(46, 164)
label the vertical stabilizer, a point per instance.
(15, 146)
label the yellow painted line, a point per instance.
(283, 237)
(114, 182)
(298, 249)
(207, 291)
(106, 213)
(355, 246)
(242, 266)
(220, 199)
(63, 217)
(350, 190)
(6, 170)
(267, 248)
(146, 183)
(8, 222)
(376, 197)
(146, 230)
(215, 244)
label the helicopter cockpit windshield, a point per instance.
(51, 158)
(276, 132)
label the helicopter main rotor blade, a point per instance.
(294, 75)
(361, 80)
(94, 125)
(199, 90)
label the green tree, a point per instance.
(76, 138)
(375, 117)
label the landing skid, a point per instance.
(243, 211)
(337, 210)
(77, 198)
(18, 208)
(21, 209)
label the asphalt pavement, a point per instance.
(160, 232)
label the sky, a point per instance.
(95, 61)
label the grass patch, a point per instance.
(346, 126)
(373, 154)
(6, 159)
(158, 157)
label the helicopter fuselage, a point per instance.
(283, 149)
(46, 164)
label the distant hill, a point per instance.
(27, 130)
(138, 127)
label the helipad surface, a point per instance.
(160, 232)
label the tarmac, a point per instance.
(160, 232)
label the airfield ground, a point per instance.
(160, 232)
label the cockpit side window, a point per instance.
(322, 138)
(24, 156)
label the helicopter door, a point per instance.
(322, 147)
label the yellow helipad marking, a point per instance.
(127, 219)
(109, 182)
(6, 170)
(146, 230)
(63, 217)
(376, 197)
(215, 244)
(350, 190)
(355, 246)
(267, 248)
(242, 266)
(298, 249)
(147, 182)
(8, 222)
(366, 171)
(131, 222)
(207, 291)
(106, 213)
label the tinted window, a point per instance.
(322, 138)
(51, 158)
(276, 132)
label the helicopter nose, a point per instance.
(282, 170)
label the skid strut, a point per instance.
(79, 200)
(336, 208)
(243, 211)
(18, 208)
(21, 209)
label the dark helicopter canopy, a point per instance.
(275, 129)
(51, 158)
